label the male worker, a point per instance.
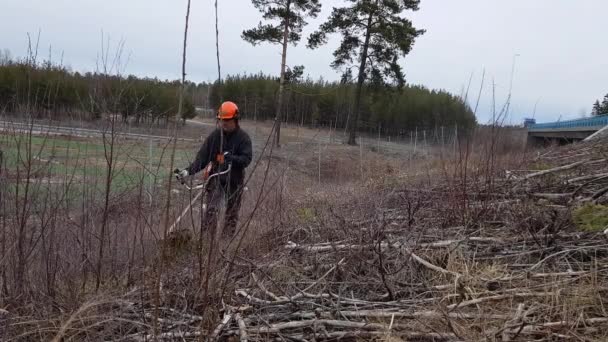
(227, 145)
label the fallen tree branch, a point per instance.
(278, 327)
(592, 178)
(256, 300)
(263, 288)
(416, 315)
(242, 327)
(431, 266)
(599, 193)
(499, 297)
(328, 247)
(169, 336)
(538, 264)
(321, 278)
(552, 196)
(418, 336)
(316, 248)
(378, 314)
(543, 275)
(538, 328)
(220, 327)
(519, 314)
(556, 169)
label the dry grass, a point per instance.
(443, 246)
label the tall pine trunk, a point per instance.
(217, 52)
(354, 123)
(278, 117)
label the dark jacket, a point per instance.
(237, 143)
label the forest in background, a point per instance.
(54, 91)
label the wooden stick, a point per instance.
(242, 327)
(550, 196)
(599, 193)
(339, 246)
(431, 266)
(538, 264)
(220, 327)
(340, 335)
(256, 300)
(315, 248)
(169, 336)
(556, 169)
(275, 328)
(589, 321)
(268, 293)
(518, 317)
(416, 315)
(283, 299)
(543, 275)
(322, 277)
(499, 297)
(589, 177)
(536, 328)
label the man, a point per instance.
(227, 145)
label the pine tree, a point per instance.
(604, 106)
(294, 75)
(291, 15)
(374, 35)
(597, 108)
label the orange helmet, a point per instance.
(228, 110)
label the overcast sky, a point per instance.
(562, 45)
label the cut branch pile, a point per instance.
(515, 269)
(499, 260)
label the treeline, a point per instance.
(313, 103)
(53, 91)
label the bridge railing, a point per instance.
(595, 121)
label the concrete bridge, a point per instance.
(564, 132)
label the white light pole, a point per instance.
(513, 72)
(509, 98)
(535, 104)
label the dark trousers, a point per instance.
(218, 192)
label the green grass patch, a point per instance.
(306, 214)
(85, 160)
(591, 217)
(540, 166)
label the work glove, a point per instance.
(181, 174)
